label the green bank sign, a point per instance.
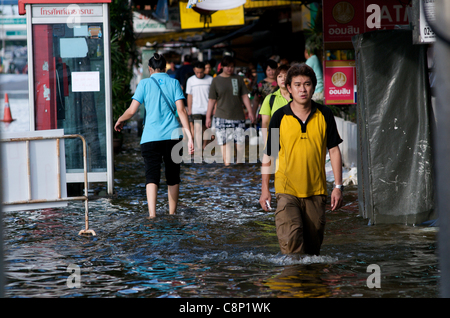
(13, 20)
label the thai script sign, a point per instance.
(340, 82)
(66, 11)
(344, 19)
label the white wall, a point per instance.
(348, 132)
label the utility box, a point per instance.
(69, 79)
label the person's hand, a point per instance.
(265, 196)
(251, 117)
(208, 122)
(191, 146)
(336, 199)
(119, 125)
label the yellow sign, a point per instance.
(191, 19)
(263, 4)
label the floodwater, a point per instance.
(220, 244)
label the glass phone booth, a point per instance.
(70, 81)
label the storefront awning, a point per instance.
(242, 31)
(167, 37)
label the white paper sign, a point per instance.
(85, 81)
(426, 33)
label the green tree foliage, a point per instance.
(124, 55)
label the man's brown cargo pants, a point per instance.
(300, 223)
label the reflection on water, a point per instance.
(220, 244)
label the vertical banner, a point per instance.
(342, 20)
(340, 82)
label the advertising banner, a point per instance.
(340, 82)
(344, 19)
(191, 19)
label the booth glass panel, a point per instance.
(69, 88)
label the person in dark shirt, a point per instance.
(184, 72)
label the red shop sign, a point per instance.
(340, 82)
(344, 19)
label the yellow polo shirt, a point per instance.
(302, 149)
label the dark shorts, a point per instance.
(154, 154)
(199, 117)
(300, 223)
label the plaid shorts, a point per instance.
(228, 130)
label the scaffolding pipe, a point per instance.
(442, 138)
(58, 199)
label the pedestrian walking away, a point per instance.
(230, 93)
(197, 91)
(185, 71)
(303, 131)
(163, 98)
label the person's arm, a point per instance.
(248, 105)
(265, 120)
(265, 176)
(255, 103)
(131, 110)
(336, 165)
(189, 103)
(185, 123)
(209, 112)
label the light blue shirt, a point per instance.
(160, 122)
(314, 63)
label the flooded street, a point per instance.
(220, 244)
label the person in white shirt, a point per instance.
(197, 91)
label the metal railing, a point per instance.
(59, 198)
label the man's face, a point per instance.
(229, 69)
(301, 89)
(199, 72)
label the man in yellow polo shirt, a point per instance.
(305, 131)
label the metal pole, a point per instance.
(2, 269)
(108, 99)
(442, 141)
